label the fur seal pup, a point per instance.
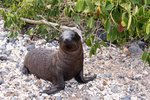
(58, 66)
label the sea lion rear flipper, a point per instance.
(79, 78)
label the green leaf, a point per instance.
(13, 34)
(107, 25)
(146, 57)
(146, 37)
(30, 31)
(92, 50)
(113, 34)
(109, 7)
(116, 14)
(90, 22)
(54, 2)
(126, 6)
(148, 28)
(103, 43)
(141, 11)
(135, 10)
(77, 19)
(124, 20)
(89, 6)
(129, 22)
(80, 5)
(97, 44)
(90, 40)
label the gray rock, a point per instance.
(134, 48)
(8, 52)
(11, 40)
(14, 98)
(128, 97)
(3, 47)
(1, 51)
(94, 98)
(133, 88)
(3, 34)
(30, 47)
(27, 80)
(137, 77)
(58, 98)
(80, 86)
(2, 38)
(115, 88)
(141, 98)
(102, 34)
(3, 57)
(108, 75)
(44, 94)
(40, 98)
(121, 76)
(141, 45)
(1, 80)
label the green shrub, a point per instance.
(123, 20)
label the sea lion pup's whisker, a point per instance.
(58, 66)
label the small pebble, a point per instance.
(14, 98)
(30, 47)
(128, 97)
(137, 77)
(40, 98)
(115, 89)
(58, 98)
(3, 57)
(1, 81)
(104, 75)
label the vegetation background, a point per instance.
(115, 21)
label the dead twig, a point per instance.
(54, 25)
(41, 22)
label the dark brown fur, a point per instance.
(58, 66)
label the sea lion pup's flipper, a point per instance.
(79, 78)
(58, 86)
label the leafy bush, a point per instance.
(32, 9)
(146, 57)
(123, 20)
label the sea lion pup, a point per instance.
(58, 66)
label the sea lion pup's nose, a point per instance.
(67, 41)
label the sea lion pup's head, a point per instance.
(70, 41)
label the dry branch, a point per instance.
(39, 22)
(54, 25)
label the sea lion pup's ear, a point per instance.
(79, 33)
(76, 36)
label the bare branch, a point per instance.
(54, 25)
(41, 22)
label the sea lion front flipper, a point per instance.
(79, 78)
(59, 85)
(25, 70)
(55, 89)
